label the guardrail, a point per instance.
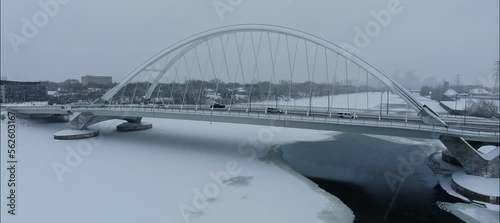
(325, 119)
(305, 117)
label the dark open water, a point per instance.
(355, 169)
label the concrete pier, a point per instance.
(71, 134)
(129, 127)
(479, 179)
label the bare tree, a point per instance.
(483, 108)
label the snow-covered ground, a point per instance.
(460, 103)
(38, 103)
(179, 171)
(434, 105)
(370, 101)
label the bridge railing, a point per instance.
(297, 117)
(333, 110)
(322, 119)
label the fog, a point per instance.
(66, 39)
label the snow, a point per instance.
(434, 105)
(400, 140)
(370, 100)
(165, 174)
(487, 149)
(470, 212)
(459, 104)
(479, 91)
(38, 103)
(443, 172)
(451, 93)
(67, 132)
(489, 152)
(480, 185)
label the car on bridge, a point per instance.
(273, 110)
(347, 115)
(217, 105)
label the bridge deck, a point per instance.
(394, 127)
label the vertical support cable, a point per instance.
(327, 81)
(291, 68)
(357, 89)
(334, 80)
(367, 88)
(312, 81)
(189, 78)
(177, 79)
(213, 70)
(237, 67)
(225, 59)
(273, 60)
(347, 84)
(202, 74)
(255, 69)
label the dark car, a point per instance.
(216, 105)
(273, 110)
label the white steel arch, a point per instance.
(428, 116)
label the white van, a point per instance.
(346, 115)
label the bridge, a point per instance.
(365, 123)
(235, 73)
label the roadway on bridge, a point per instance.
(365, 123)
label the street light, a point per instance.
(465, 109)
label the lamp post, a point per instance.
(328, 101)
(465, 110)
(380, 114)
(387, 106)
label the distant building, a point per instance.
(479, 91)
(3, 78)
(451, 94)
(20, 91)
(99, 80)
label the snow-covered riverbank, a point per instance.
(179, 171)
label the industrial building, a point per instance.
(98, 80)
(21, 91)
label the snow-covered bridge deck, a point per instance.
(292, 119)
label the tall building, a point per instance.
(20, 91)
(99, 80)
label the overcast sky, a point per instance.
(113, 37)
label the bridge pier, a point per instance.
(133, 124)
(79, 124)
(81, 121)
(479, 179)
